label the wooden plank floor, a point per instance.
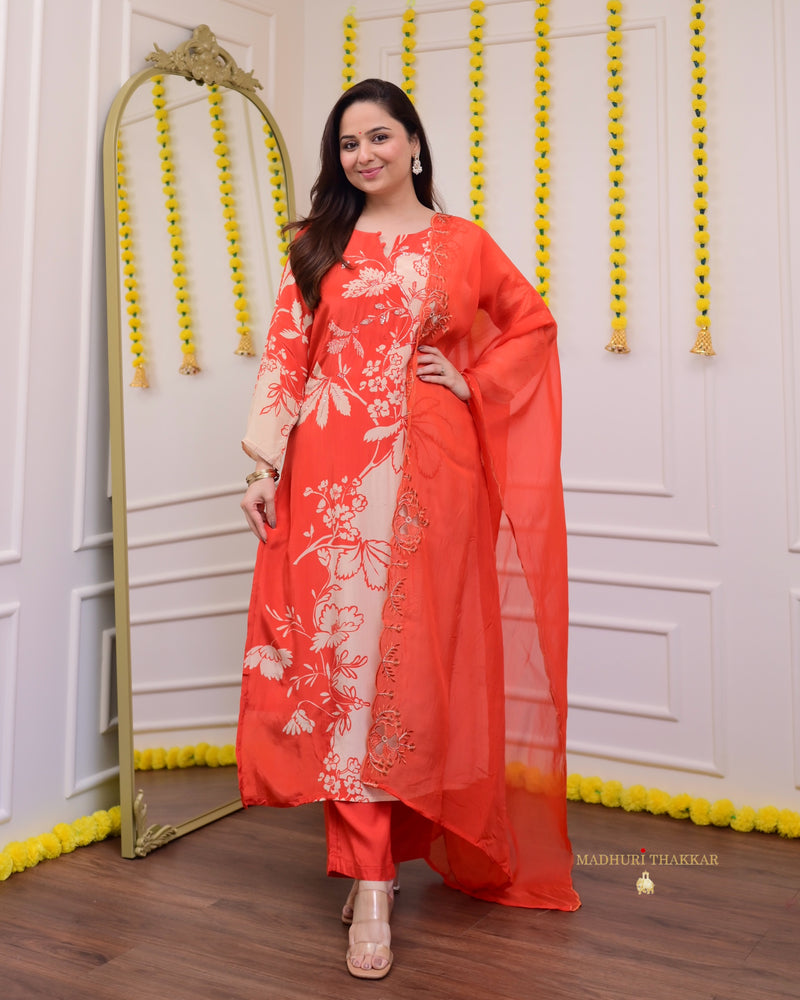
(241, 909)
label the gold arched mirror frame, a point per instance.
(200, 61)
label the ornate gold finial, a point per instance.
(202, 59)
(702, 344)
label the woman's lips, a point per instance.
(369, 174)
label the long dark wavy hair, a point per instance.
(335, 203)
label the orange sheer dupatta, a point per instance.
(490, 685)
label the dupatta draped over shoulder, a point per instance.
(467, 724)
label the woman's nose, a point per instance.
(364, 151)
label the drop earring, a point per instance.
(416, 165)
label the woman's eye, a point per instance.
(380, 137)
(348, 146)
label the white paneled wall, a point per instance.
(685, 664)
(681, 473)
(60, 66)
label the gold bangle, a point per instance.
(262, 474)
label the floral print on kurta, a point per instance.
(332, 388)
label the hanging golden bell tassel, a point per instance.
(702, 344)
(245, 348)
(189, 366)
(618, 343)
(140, 378)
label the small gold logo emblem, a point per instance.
(644, 884)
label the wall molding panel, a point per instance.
(795, 669)
(787, 161)
(643, 670)
(18, 211)
(89, 755)
(91, 426)
(9, 659)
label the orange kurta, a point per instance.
(378, 662)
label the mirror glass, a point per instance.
(197, 182)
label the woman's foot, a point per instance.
(347, 909)
(369, 955)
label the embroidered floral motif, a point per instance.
(409, 520)
(435, 315)
(388, 741)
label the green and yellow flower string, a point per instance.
(618, 343)
(408, 56)
(702, 287)
(542, 148)
(129, 275)
(279, 197)
(477, 107)
(189, 365)
(350, 30)
(228, 199)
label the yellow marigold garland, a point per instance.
(189, 366)
(129, 276)
(542, 148)
(477, 21)
(702, 287)
(700, 811)
(409, 44)
(618, 343)
(63, 839)
(278, 182)
(202, 755)
(228, 199)
(350, 28)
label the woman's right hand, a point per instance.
(258, 505)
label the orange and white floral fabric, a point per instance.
(378, 663)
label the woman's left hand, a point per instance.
(433, 366)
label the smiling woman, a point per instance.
(376, 157)
(408, 394)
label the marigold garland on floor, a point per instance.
(279, 196)
(408, 57)
(477, 107)
(64, 838)
(129, 275)
(215, 101)
(350, 29)
(202, 755)
(638, 798)
(618, 343)
(702, 287)
(189, 365)
(542, 148)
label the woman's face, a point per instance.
(375, 150)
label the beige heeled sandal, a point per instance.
(372, 908)
(347, 909)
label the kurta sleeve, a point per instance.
(281, 376)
